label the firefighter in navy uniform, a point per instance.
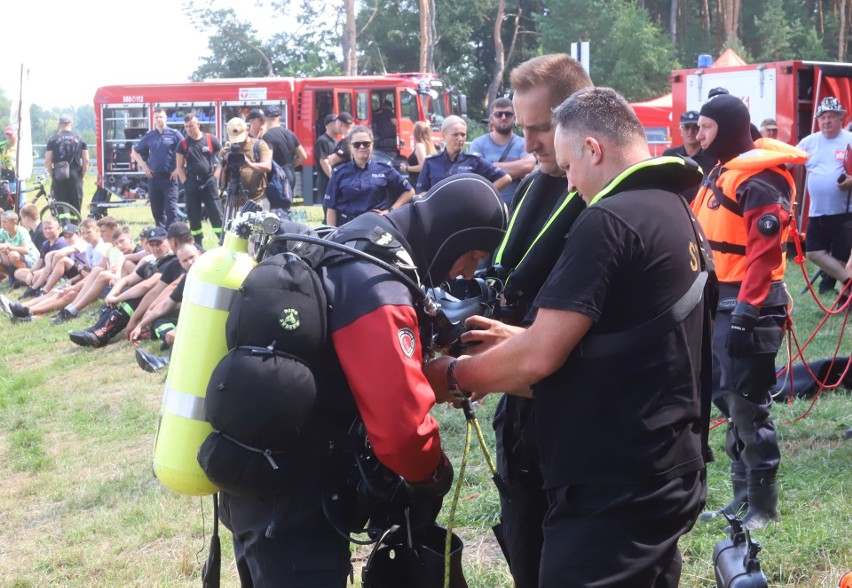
(543, 211)
(372, 369)
(744, 207)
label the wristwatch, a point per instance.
(452, 384)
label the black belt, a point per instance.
(161, 174)
(198, 178)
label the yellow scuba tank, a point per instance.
(199, 345)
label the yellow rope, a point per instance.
(472, 423)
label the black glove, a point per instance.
(427, 496)
(740, 342)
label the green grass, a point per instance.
(79, 505)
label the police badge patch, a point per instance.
(407, 341)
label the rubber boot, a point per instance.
(762, 501)
(738, 505)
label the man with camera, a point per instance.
(829, 235)
(246, 164)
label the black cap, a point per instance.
(716, 92)
(330, 118)
(156, 234)
(178, 230)
(345, 118)
(272, 111)
(690, 117)
(255, 113)
(70, 228)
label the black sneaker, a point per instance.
(32, 293)
(63, 316)
(87, 339)
(14, 309)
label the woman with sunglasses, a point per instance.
(363, 185)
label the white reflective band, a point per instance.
(182, 404)
(208, 295)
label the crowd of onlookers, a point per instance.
(98, 274)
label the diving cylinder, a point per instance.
(199, 345)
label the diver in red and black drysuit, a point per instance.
(372, 370)
(744, 206)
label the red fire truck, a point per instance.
(123, 115)
(788, 91)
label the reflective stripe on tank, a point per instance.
(208, 295)
(182, 404)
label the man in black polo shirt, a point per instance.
(622, 450)
(197, 168)
(287, 151)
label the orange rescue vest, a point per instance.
(719, 213)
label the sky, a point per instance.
(117, 42)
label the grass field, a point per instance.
(79, 505)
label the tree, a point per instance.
(628, 51)
(349, 40)
(427, 36)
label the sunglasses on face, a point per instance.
(504, 114)
(362, 144)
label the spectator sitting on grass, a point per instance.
(17, 250)
(130, 305)
(161, 317)
(67, 262)
(97, 284)
(53, 241)
(31, 221)
(96, 261)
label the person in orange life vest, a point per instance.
(744, 207)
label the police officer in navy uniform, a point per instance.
(155, 154)
(692, 148)
(362, 184)
(622, 450)
(454, 160)
(372, 369)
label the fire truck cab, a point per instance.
(123, 116)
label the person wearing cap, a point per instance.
(454, 160)
(64, 262)
(322, 151)
(287, 151)
(621, 451)
(197, 159)
(444, 234)
(257, 164)
(66, 159)
(155, 155)
(8, 154)
(364, 184)
(691, 148)
(744, 208)
(769, 129)
(829, 189)
(256, 120)
(342, 153)
(129, 293)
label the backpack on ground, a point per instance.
(277, 186)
